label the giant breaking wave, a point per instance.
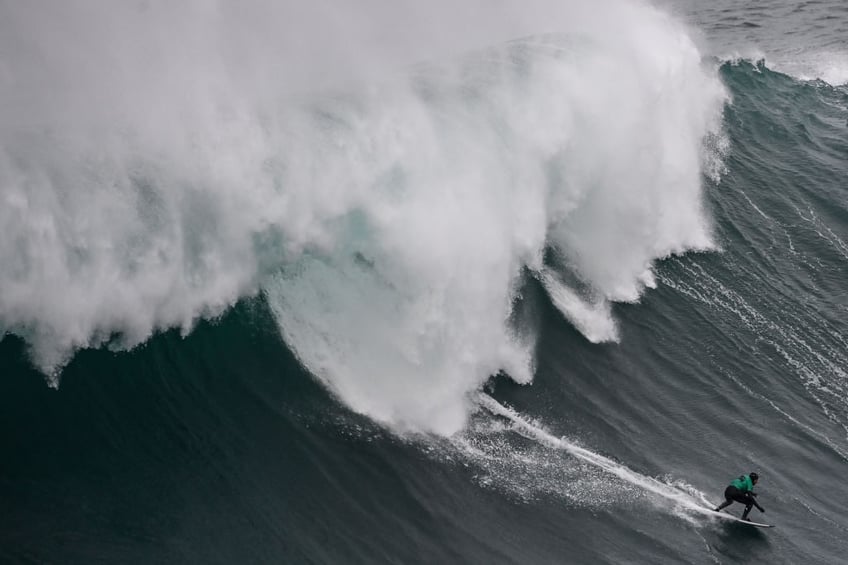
(384, 176)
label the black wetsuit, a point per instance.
(733, 494)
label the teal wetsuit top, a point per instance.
(743, 483)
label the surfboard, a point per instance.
(757, 524)
(740, 520)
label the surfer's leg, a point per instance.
(728, 498)
(749, 503)
(724, 504)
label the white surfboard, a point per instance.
(757, 524)
(740, 520)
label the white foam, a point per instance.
(593, 319)
(157, 163)
(464, 181)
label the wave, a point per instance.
(516, 150)
(155, 173)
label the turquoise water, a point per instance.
(537, 302)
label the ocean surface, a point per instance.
(422, 282)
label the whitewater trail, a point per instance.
(685, 503)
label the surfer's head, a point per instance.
(754, 477)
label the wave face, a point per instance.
(155, 172)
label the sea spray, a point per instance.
(467, 172)
(386, 192)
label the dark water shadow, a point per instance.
(741, 543)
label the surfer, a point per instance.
(742, 490)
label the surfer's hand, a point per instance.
(763, 510)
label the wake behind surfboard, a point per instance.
(650, 484)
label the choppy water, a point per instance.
(518, 285)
